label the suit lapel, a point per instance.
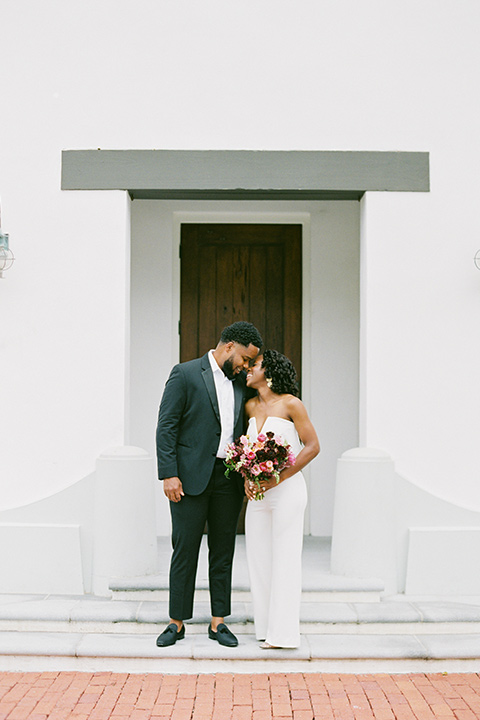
(207, 375)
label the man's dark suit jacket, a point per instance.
(188, 430)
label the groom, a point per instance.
(200, 413)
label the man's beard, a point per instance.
(228, 369)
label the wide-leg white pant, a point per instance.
(274, 540)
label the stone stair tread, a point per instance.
(320, 583)
(315, 563)
(71, 609)
(338, 583)
(313, 647)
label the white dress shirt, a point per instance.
(226, 405)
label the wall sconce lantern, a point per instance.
(476, 259)
(6, 255)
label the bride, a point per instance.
(274, 525)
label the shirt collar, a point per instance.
(214, 365)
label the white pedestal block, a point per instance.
(443, 561)
(41, 558)
(125, 542)
(363, 539)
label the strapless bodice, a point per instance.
(279, 426)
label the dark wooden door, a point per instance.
(241, 272)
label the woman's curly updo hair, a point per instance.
(280, 371)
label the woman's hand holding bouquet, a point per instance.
(259, 462)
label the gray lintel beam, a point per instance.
(242, 174)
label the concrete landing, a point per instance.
(319, 585)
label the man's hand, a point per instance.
(172, 487)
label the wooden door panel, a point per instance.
(258, 269)
(207, 297)
(241, 272)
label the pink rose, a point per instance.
(261, 438)
(255, 470)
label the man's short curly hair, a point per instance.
(243, 333)
(281, 372)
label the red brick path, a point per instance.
(296, 696)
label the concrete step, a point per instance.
(154, 588)
(319, 585)
(93, 652)
(88, 614)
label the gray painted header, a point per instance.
(244, 174)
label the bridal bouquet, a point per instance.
(261, 459)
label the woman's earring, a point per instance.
(269, 382)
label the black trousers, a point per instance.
(219, 506)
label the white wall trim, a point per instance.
(362, 354)
(128, 312)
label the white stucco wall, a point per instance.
(63, 331)
(421, 315)
(262, 75)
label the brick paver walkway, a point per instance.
(296, 696)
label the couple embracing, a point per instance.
(202, 411)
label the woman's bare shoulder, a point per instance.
(293, 402)
(293, 406)
(249, 405)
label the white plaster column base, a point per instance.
(125, 541)
(363, 539)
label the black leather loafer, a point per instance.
(170, 635)
(223, 635)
